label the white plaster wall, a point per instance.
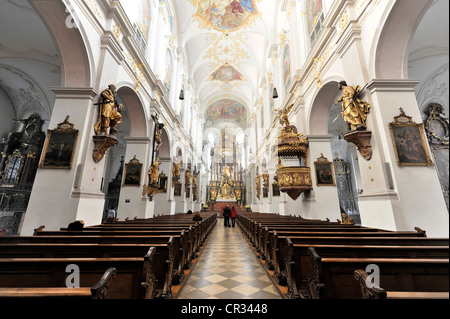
(6, 125)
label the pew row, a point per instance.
(162, 254)
(369, 290)
(182, 257)
(333, 278)
(98, 291)
(298, 265)
(134, 279)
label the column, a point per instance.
(61, 196)
(131, 202)
(323, 201)
(164, 201)
(416, 198)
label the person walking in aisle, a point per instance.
(233, 216)
(226, 216)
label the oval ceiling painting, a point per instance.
(227, 73)
(227, 15)
(226, 109)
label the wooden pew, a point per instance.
(298, 261)
(192, 235)
(176, 274)
(275, 254)
(204, 226)
(264, 233)
(250, 224)
(134, 279)
(333, 278)
(98, 291)
(270, 236)
(372, 291)
(116, 242)
(180, 245)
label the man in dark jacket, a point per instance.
(226, 216)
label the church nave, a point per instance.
(228, 269)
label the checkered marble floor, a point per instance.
(228, 269)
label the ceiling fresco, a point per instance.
(226, 109)
(226, 15)
(227, 73)
(226, 44)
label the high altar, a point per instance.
(226, 185)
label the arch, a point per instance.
(135, 110)
(24, 92)
(392, 44)
(320, 109)
(164, 151)
(73, 51)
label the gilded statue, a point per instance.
(187, 176)
(354, 110)
(194, 180)
(347, 219)
(225, 190)
(158, 140)
(237, 191)
(176, 169)
(213, 193)
(265, 180)
(109, 112)
(284, 119)
(226, 172)
(154, 172)
(258, 185)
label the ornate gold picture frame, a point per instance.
(324, 172)
(60, 146)
(132, 173)
(409, 140)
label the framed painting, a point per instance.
(188, 192)
(133, 172)
(60, 146)
(163, 183)
(177, 190)
(409, 141)
(324, 172)
(275, 189)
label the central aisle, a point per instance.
(228, 269)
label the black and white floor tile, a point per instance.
(228, 269)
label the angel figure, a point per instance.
(284, 118)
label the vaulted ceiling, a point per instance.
(226, 43)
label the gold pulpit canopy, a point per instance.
(293, 178)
